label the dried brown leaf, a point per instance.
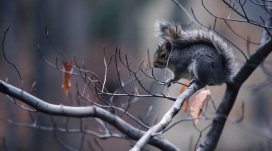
(67, 67)
(185, 105)
(198, 104)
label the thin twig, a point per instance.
(4, 53)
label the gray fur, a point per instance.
(191, 48)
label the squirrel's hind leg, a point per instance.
(204, 70)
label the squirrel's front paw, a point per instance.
(168, 82)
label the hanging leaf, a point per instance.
(186, 103)
(67, 67)
(198, 104)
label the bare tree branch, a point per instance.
(4, 53)
(167, 118)
(231, 92)
(109, 109)
(89, 111)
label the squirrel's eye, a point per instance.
(163, 55)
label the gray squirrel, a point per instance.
(197, 55)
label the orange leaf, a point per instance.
(67, 67)
(186, 102)
(198, 104)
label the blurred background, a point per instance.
(82, 28)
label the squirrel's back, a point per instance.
(173, 33)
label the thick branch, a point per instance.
(228, 101)
(167, 118)
(245, 71)
(89, 111)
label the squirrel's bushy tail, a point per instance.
(167, 31)
(172, 32)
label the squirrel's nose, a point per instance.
(155, 65)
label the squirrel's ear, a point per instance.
(168, 46)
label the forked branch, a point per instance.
(167, 118)
(89, 111)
